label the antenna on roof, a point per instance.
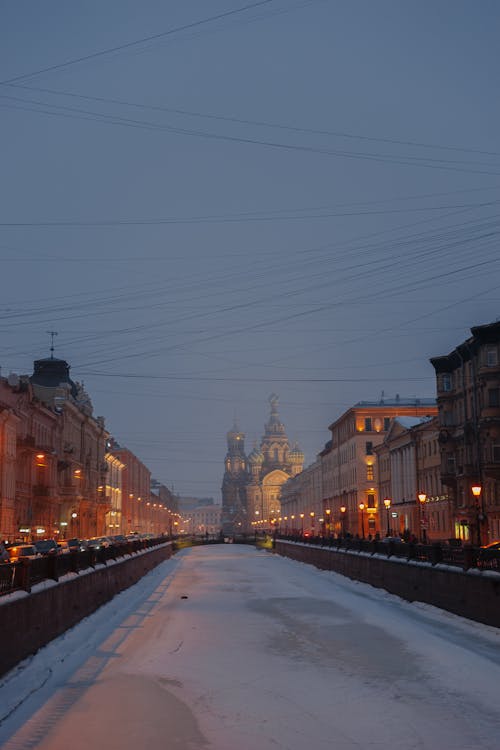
(52, 334)
(382, 395)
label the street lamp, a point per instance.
(302, 524)
(476, 491)
(362, 508)
(387, 503)
(422, 497)
(328, 511)
(342, 518)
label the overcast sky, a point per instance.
(213, 200)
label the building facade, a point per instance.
(468, 396)
(302, 503)
(409, 481)
(349, 462)
(136, 489)
(205, 520)
(52, 467)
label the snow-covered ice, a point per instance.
(263, 653)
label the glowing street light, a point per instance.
(476, 491)
(328, 512)
(422, 498)
(387, 503)
(343, 510)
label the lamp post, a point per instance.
(342, 519)
(387, 503)
(327, 512)
(422, 497)
(312, 514)
(362, 509)
(476, 491)
(302, 524)
(74, 516)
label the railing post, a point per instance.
(23, 569)
(468, 558)
(436, 554)
(74, 561)
(412, 551)
(52, 567)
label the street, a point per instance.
(226, 647)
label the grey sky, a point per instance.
(301, 197)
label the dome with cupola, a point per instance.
(256, 456)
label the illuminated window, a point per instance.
(369, 471)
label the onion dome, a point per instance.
(296, 456)
(256, 456)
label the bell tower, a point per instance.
(234, 500)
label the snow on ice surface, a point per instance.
(264, 653)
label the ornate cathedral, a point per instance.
(251, 485)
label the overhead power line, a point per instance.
(240, 218)
(247, 121)
(136, 42)
(99, 117)
(138, 376)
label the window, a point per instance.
(369, 472)
(368, 424)
(491, 357)
(494, 397)
(370, 500)
(387, 423)
(369, 448)
(446, 382)
(496, 454)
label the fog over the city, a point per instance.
(213, 201)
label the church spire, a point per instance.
(274, 426)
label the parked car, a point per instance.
(47, 547)
(119, 539)
(77, 545)
(99, 542)
(63, 545)
(393, 539)
(489, 555)
(22, 551)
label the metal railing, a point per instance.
(27, 572)
(464, 557)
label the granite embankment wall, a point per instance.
(30, 621)
(472, 593)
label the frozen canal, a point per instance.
(230, 648)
